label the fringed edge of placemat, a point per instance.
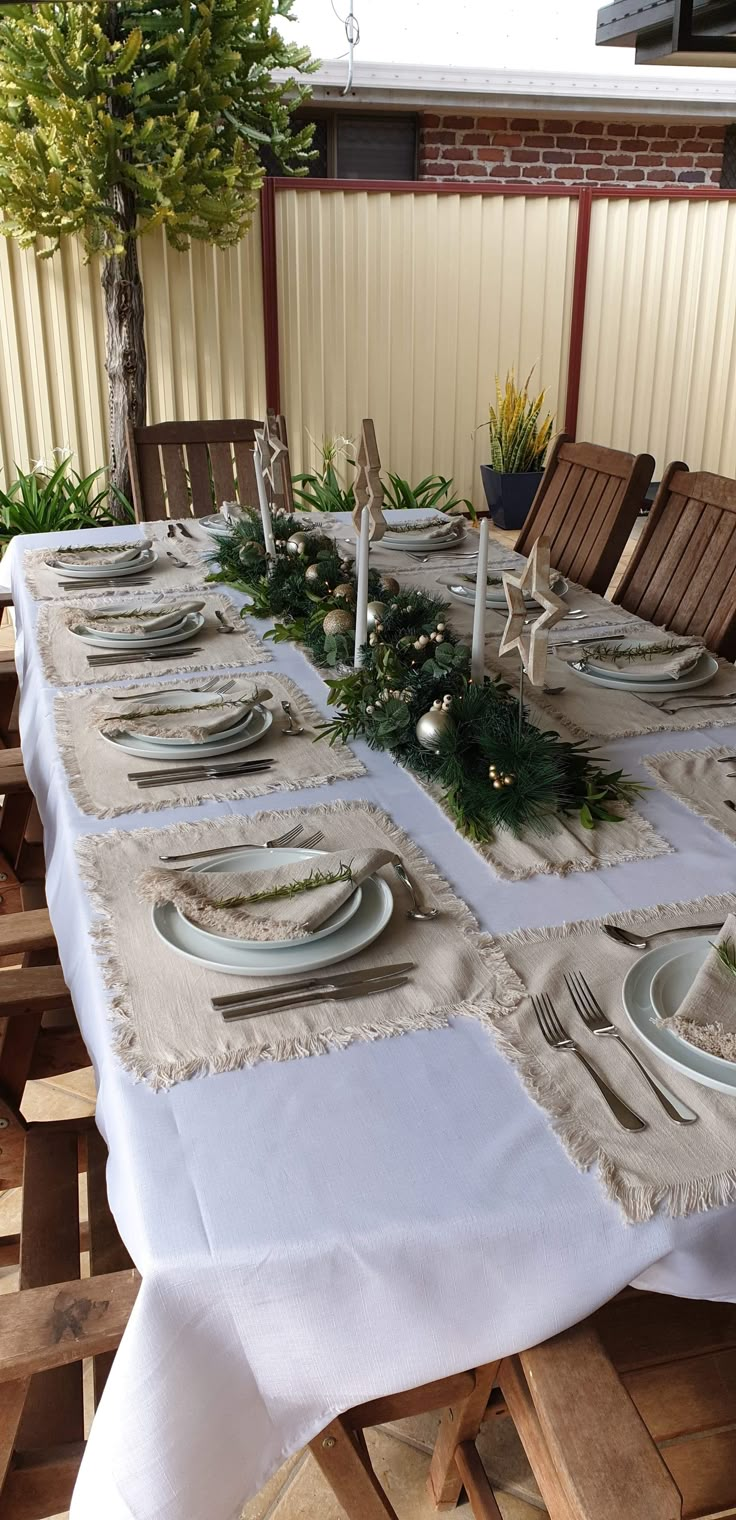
(547, 706)
(353, 767)
(714, 752)
(34, 560)
(637, 1203)
(506, 994)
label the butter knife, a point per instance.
(133, 659)
(308, 984)
(322, 995)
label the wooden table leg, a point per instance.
(343, 1457)
(461, 1422)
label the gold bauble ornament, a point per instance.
(313, 573)
(297, 544)
(375, 612)
(497, 785)
(390, 585)
(432, 726)
(345, 591)
(338, 621)
(251, 550)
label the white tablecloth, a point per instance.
(320, 1232)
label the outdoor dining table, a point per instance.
(314, 1233)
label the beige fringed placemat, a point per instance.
(683, 1169)
(570, 847)
(590, 712)
(97, 770)
(45, 582)
(64, 656)
(165, 1028)
(696, 778)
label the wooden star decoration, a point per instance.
(367, 488)
(273, 452)
(532, 642)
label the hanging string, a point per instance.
(352, 32)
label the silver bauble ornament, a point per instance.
(390, 585)
(375, 611)
(251, 549)
(338, 621)
(345, 591)
(296, 544)
(432, 726)
(313, 573)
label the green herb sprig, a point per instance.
(635, 652)
(727, 955)
(289, 889)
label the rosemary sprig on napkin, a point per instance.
(636, 652)
(290, 889)
(726, 953)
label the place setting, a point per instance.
(158, 560)
(226, 737)
(704, 780)
(94, 643)
(627, 1040)
(331, 920)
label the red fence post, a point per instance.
(270, 294)
(577, 315)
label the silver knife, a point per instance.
(200, 772)
(341, 979)
(119, 580)
(132, 659)
(361, 989)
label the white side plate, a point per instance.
(709, 1071)
(186, 629)
(706, 669)
(136, 566)
(254, 727)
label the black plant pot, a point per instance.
(509, 497)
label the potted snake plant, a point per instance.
(519, 437)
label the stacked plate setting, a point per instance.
(133, 562)
(356, 924)
(443, 535)
(244, 731)
(464, 591)
(173, 628)
(643, 680)
(654, 989)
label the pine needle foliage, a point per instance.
(169, 99)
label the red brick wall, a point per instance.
(537, 149)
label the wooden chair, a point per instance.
(187, 469)
(57, 1318)
(587, 503)
(682, 575)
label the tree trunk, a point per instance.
(125, 342)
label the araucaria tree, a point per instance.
(119, 118)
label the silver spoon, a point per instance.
(180, 563)
(414, 911)
(643, 941)
(294, 728)
(225, 627)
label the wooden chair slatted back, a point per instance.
(683, 573)
(183, 469)
(588, 500)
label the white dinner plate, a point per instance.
(705, 670)
(639, 677)
(216, 525)
(709, 1071)
(341, 916)
(176, 634)
(136, 566)
(187, 701)
(369, 920)
(253, 728)
(496, 598)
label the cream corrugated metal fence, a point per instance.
(659, 346)
(204, 334)
(402, 307)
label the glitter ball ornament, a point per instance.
(390, 585)
(297, 544)
(345, 591)
(375, 611)
(313, 573)
(338, 621)
(433, 725)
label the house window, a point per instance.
(350, 146)
(728, 167)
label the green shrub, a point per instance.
(54, 500)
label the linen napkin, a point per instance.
(104, 555)
(151, 716)
(132, 619)
(667, 658)
(438, 529)
(247, 904)
(231, 511)
(707, 1016)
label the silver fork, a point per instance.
(271, 844)
(559, 1039)
(214, 684)
(595, 1020)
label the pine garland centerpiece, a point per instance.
(412, 695)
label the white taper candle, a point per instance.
(361, 610)
(477, 656)
(268, 537)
